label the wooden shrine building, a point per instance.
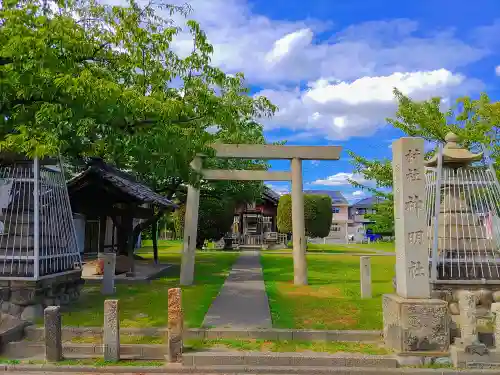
(109, 204)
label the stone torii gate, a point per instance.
(265, 152)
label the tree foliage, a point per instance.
(215, 218)
(476, 122)
(317, 214)
(82, 78)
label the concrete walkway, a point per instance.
(242, 301)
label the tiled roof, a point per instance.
(271, 195)
(337, 196)
(122, 181)
(367, 202)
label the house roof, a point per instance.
(124, 182)
(270, 195)
(367, 202)
(337, 196)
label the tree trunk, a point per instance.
(154, 236)
(146, 224)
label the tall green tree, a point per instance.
(83, 79)
(476, 122)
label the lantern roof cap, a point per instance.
(453, 154)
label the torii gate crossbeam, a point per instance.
(256, 151)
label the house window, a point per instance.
(336, 210)
(334, 228)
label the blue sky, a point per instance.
(331, 65)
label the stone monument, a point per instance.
(414, 323)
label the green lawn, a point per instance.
(146, 305)
(343, 248)
(382, 246)
(332, 298)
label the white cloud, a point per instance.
(340, 179)
(497, 70)
(280, 190)
(341, 109)
(358, 193)
(351, 71)
(280, 51)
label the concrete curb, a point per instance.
(77, 351)
(251, 359)
(36, 334)
(175, 369)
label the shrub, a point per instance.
(215, 218)
(317, 214)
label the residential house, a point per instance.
(340, 214)
(357, 221)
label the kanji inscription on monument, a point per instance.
(412, 270)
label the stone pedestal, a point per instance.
(472, 357)
(27, 299)
(415, 326)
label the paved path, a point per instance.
(242, 301)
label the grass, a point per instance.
(332, 298)
(163, 246)
(286, 346)
(344, 248)
(145, 305)
(124, 339)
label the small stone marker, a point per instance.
(111, 331)
(108, 277)
(175, 325)
(365, 277)
(495, 309)
(412, 264)
(53, 334)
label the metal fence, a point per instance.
(463, 217)
(37, 233)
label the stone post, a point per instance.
(298, 225)
(365, 277)
(467, 305)
(53, 334)
(495, 309)
(190, 229)
(111, 331)
(414, 324)
(108, 277)
(175, 325)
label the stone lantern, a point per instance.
(463, 211)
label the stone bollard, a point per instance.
(175, 325)
(365, 277)
(495, 309)
(111, 331)
(53, 334)
(108, 277)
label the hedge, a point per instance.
(317, 214)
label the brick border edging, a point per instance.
(169, 369)
(222, 333)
